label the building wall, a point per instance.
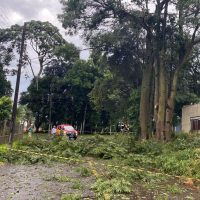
(189, 112)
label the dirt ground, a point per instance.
(54, 181)
(43, 182)
(170, 189)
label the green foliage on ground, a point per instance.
(84, 171)
(118, 157)
(58, 178)
(178, 157)
(112, 187)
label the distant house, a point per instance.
(191, 118)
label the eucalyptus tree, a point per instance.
(41, 42)
(43, 38)
(169, 37)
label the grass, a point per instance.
(77, 185)
(84, 171)
(57, 178)
(174, 189)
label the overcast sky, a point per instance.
(20, 11)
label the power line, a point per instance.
(78, 50)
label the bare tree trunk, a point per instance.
(146, 88)
(151, 106)
(156, 91)
(144, 102)
(160, 123)
(170, 107)
(81, 128)
(169, 118)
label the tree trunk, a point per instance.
(173, 88)
(170, 107)
(146, 89)
(37, 128)
(156, 95)
(151, 106)
(144, 102)
(37, 125)
(169, 118)
(160, 123)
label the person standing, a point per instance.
(53, 131)
(62, 131)
(30, 131)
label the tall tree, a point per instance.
(164, 36)
(43, 38)
(38, 98)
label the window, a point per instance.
(195, 124)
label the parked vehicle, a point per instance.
(67, 130)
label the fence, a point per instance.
(5, 132)
(4, 139)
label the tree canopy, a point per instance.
(167, 38)
(5, 108)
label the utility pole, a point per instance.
(84, 117)
(50, 108)
(14, 110)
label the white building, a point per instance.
(191, 118)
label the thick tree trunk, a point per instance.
(146, 89)
(171, 99)
(37, 128)
(172, 90)
(169, 118)
(151, 106)
(170, 107)
(156, 94)
(144, 102)
(160, 123)
(37, 125)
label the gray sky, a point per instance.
(19, 11)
